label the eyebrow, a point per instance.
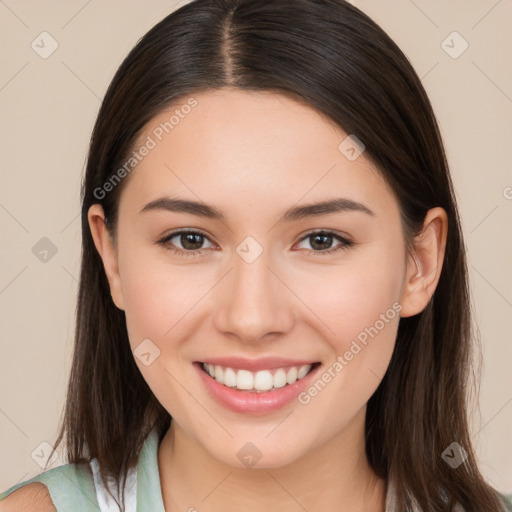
(200, 209)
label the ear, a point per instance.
(107, 250)
(424, 265)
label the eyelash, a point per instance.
(345, 243)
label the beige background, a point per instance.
(48, 107)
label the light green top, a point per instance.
(72, 488)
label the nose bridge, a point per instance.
(253, 301)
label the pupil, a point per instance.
(324, 237)
(189, 239)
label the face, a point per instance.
(255, 289)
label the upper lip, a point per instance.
(263, 363)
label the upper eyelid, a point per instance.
(181, 231)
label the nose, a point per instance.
(253, 303)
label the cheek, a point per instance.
(157, 294)
(158, 299)
(347, 299)
(356, 307)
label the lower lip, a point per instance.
(252, 402)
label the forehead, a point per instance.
(258, 147)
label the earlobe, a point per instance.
(107, 251)
(424, 265)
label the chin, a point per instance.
(256, 454)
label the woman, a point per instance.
(273, 309)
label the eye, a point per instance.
(191, 242)
(321, 242)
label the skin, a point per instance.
(253, 155)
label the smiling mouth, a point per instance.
(257, 381)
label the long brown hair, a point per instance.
(331, 56)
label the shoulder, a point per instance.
(69, 487)
(508, 499)
(33, 497)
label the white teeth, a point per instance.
(229, 378)
(244, 380)
(291, 376)
(280, 378)
(303, 370)
(262, 380)
(219, 373)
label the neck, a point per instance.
(334, 476)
